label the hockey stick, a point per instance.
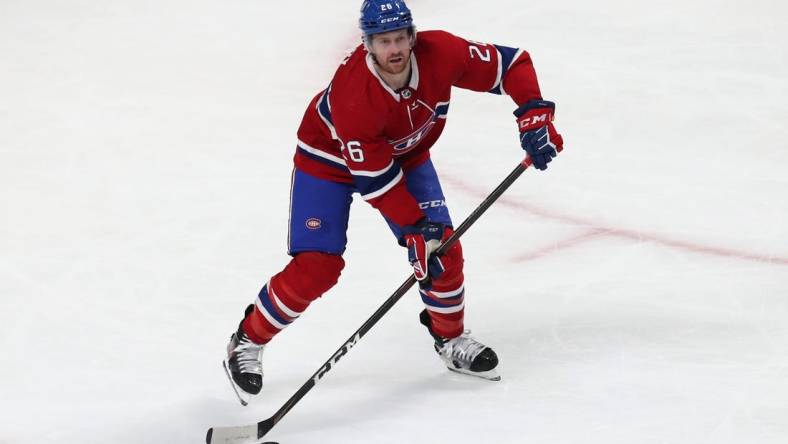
(252, 433)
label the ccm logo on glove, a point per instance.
(530, 122)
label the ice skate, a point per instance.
(464, 354)
(244, 364)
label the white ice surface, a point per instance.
(636, 292)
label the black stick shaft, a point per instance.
(265, 426)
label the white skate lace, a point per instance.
(462, 349)
(249, 356)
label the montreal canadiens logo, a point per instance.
(313, 223)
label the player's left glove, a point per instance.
(538, 136)
(422, 240)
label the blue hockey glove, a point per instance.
(538, 136)
(422, 240)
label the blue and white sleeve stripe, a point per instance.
(441, 110)
(506, 56)
(372, 184)
(321, 156)
(324, 111)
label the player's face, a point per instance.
(392, 50)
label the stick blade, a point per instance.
(232, 435)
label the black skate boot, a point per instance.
(244, 363)
(464, 354)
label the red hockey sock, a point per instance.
(289, 293)
(445, 304)
(445, 301)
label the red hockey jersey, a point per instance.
(360, 131)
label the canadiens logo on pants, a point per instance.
(313, 223)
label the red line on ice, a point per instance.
(597, 230)
(559, 245)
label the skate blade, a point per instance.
(490, 375)
(243, 397)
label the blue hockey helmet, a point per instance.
(383, 16)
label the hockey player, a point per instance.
(369, 132)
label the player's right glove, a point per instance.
(422, 240)
(538, 136)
